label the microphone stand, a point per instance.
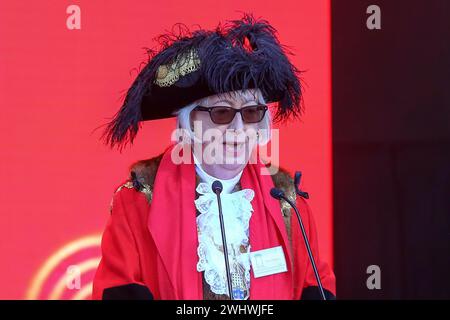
(217, 189)
(279, 194)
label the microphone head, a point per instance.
(217, 186)
(297, 178)
(277, 193)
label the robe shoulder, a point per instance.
(139, 182)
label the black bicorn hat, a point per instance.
(242, 54)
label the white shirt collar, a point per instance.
(228, 184)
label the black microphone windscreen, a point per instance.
(276, 193)
(217, 186)
(297, 178)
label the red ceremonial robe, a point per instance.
(149, 250)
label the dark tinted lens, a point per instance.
(253, 114)
(222, 115)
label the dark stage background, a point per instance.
(391, 148)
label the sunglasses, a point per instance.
(224, 115)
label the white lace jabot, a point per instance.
(237, 211)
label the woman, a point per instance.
(163, 239)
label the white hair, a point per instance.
(184, 117)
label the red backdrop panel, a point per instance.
(57, 85)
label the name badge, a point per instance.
(268, 261)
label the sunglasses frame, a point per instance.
(209, 109)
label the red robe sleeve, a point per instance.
(118, 275)
(305, 284)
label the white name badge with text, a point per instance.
(268, 261)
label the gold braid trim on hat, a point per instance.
(184, 64)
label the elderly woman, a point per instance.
(164, 238)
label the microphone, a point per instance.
(217, 189)
(279, 194)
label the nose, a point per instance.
(237, 124)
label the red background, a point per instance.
(57, 85)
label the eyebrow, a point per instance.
(230, 102)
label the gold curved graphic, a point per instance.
(60, 286)
(55, 259)
(84, 293)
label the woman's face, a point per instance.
(236, 140)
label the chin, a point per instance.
(232, 167)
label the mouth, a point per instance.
(234, 143)
(233, 147)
